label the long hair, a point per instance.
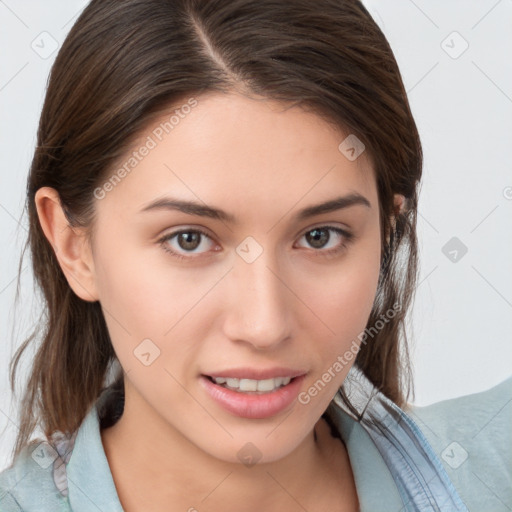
(122, 63)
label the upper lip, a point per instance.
(258, 374)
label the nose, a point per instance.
(260, 304)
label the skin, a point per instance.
(292, 306)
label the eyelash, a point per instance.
(348, 238)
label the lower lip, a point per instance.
(254, 406)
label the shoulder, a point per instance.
(38, 478)
(30, 482)
(472, 436)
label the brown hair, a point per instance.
(122, 63)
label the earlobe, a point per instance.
(399, 201)
(69, 244)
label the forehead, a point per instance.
(243, 154)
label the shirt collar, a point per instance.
(376, 488)
(418, 474)
(90, 483)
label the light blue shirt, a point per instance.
(454, 455)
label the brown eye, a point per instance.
(317, 237)
(189, 240)
(185, 241)
(320, 236)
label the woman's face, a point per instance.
(267, 291)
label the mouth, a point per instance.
(253, 398)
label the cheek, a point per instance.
(127, 291)
(341, 301)
(138, 289)
(135, 301)
(145, 299)
(345, 292)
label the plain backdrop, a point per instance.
(455, 61)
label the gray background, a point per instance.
(462, 101)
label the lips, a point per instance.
(253, 404)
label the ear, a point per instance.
(71, 248)
(399, 204)
(399, 201)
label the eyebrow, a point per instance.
(202, 210)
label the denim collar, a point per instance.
(418, 474)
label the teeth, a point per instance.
(245, 385)
(248, 385)
(232, 383)
(267, 384)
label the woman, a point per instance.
(222, 209)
